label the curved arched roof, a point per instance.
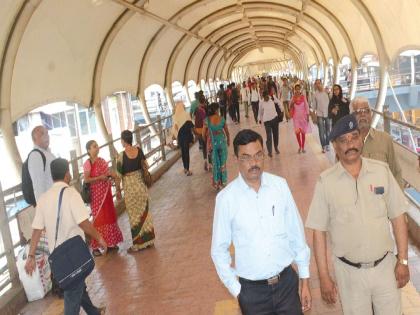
(83, 50)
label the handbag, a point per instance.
(71, 262)
(85, 192)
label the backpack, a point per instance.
(27, 187)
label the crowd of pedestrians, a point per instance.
(262, 273)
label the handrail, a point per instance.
(408, 125)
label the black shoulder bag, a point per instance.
(85, 193)
(71, 262)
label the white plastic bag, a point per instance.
(37, 285)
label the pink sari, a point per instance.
(102, 205)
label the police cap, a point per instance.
(344, 125)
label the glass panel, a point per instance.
(92, 121)
(84, 128)
(63, 119)
(72, 124)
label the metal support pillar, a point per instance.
(353, 86)
(7, 241)
(383, 87)
(161, 138)
(75, 170)
(337, 73)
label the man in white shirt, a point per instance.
(320, 103)
(268, 115)
(74, 221)
(285, 97)
(256, 212)
(40, 172)
(245, 97)
(254, 98)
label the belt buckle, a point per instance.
(273, 280)
(367, 265)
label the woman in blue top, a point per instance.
(216, 133)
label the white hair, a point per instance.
(357, 100)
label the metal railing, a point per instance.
(155, 141)
(406, 151)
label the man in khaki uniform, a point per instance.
(354, 201)
(378, 145)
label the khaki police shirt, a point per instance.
(379, 146)
(354, 212)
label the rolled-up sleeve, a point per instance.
(296, 235)
(221, 241)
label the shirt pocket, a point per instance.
(377, 208)
(278, 224)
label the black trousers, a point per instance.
(281, 298)
(254, 106)
(272, 132)
(223, 110)
(203, 146)
(185, 154)
(236, 108)
(232, 112)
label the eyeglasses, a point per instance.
(248, 158)
(344, 140)
(362, 111)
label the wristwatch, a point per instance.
(403, 261)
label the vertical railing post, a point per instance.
(75, 170)
(7, 241)
(162, 140)
(137, 135)
(387, 121)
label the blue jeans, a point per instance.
(76, 297)
(324, 129)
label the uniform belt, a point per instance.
(270, 281)
(363, 265)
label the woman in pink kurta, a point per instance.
(300, 113)
(96, 173)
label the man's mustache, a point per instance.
(254, 168)
(351, 149)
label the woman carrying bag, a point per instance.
(98, 176)
(131, 167)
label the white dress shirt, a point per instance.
(265, 228)
(73, 212)
(267, 110)
(41, 180)
(254, 96)
(320, 103)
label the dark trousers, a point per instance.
(254, 106)
(185, 154)
(77, 297)
(272, 132)
(222, 110)
(236, 109)
(203, 146)
(232, 112)
(281, 298)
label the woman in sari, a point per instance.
(299, 111)
(136, 196)
(216, 132)
(183, 131)
(97, 174)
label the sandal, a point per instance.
(96, 253)
(188, 173)
(133, 250)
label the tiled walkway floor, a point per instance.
(177, 276)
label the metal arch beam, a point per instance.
(290, 48)
(244, 50)
(254, 19)
(273, 40)
(335, 20)
(384, 60)
(257, 28)
(297, 52)
(10, 51)
(95, 99)
(292, 11)
(275, 44)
